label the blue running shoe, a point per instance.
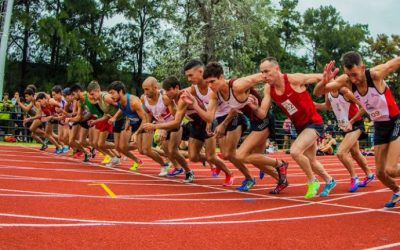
(246, 185)
(366, 180)
(328, 187)
(262, 174)
(175, 172)
(392, 203)
(65, 149)
(353, 184)
(58, 151)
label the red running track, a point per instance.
(51, 202)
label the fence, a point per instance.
(11, 124)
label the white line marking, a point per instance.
(385, 246)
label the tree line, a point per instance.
(68, 41)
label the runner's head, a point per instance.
(172, 86)
(29, 95)
(41, 98)
(68, 95)
(150, 87)
(194, 71)
(94, 90)
(56, 92)
(117, 90)
(77, 91)
(33, 87)
(354, 67)
(269, 67)
(214, 76)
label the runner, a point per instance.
(289, 92)
(374, 94)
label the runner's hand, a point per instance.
(253, 102)
(220, 130)
(329, 72)
(209, 130)
(149, 127)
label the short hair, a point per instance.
(153, 81)
(213, 69)
(41, 96)
(29, 91)
(67, 91)
(76, 88)
(270, 59)
(350, 59)
(93, 85)
(57, 89)
(192, 64)
(171, 82)
(32, 86)
(117, 86)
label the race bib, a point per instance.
(290, 108)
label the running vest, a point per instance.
(299, 107)
(233, 103)
(127, 111)
(379, 106)
(94, 109)
(344, 110)
(159, 111)
(222, 107)
(105, 107)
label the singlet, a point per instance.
(379, 106)
(105, 107)
(299, 107)
(159, 111)
(94, 109)
(344, 110)
(127, 111)
(233, 103)
(222, 107)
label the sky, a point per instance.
(381, 16)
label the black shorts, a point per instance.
(319, 129)
(134, 126)
(260, 124)
(83, 124)
(238, 120)
(387, 131)
(198, 131)
(171, 131)
(118, 126)
(359, 125)
(185, 131)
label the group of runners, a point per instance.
(213, 112)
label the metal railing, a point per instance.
(13, 127)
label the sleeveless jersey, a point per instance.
(299, 107)
(159, 111)
(344, 110)
(379, 106)
(127, 111)
(222, 107)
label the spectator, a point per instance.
(287, 124)
(5, 116)
(369, 129)
(328, 145)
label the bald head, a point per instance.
(150, 87)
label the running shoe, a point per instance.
(215, 171)
(312, 189)
(189, 177)
(366, 180)
(78, 154)
(106, 159)
(136, 165)
(229, 180)
(282, 171)
(392, 203)
(65, 149)
(87, 157)
(175, 172)
(114, 162)
(328, 188)
(44, 147)
(279, 187)
(246, 185)
(164, 170)
(353, 184)
(58, 151)
(93, 152)
(262, 174)
(73, 152)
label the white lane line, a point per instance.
(385, 246)
(2, 225)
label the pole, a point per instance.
(4, 43)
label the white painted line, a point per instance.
(385, 246)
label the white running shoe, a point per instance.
(114, 162)
(164, 170)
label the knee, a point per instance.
(380, 173)
(194, 157)
(295, 153)
(341, 154)
(392, 171)
(241, 156)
